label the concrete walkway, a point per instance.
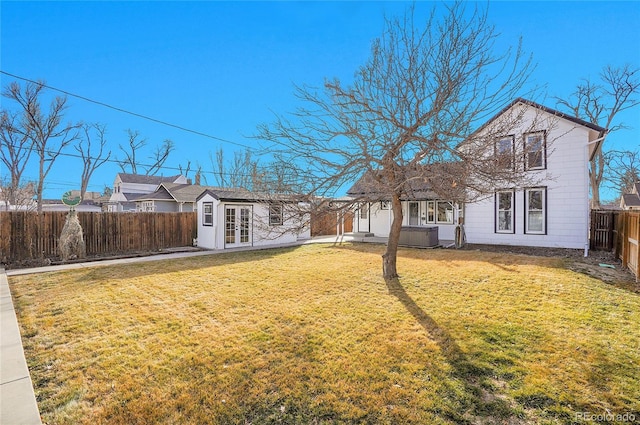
(17, 401)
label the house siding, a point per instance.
(567, 196)
(378, 221)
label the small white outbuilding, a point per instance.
(236, 218)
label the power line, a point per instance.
(163, 167)
(115, 108)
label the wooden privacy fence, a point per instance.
(628, 239)
(603, 230)
(29, 235)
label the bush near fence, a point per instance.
(27, 236)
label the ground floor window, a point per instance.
(504, 212)
(207, 213)
(535, 200)
(431, 211)
(444, 211)
(147, 206)
(275, 215)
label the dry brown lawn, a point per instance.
(315, 335)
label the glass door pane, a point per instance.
(244, 225)
(230, 225)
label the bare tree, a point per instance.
(600, 104)
(131, 163)
(159, 157)
(407, 113)
(48, 136)
(18, 197)
(622, 170)
(15, 150)
(242, 171)
(92, 156)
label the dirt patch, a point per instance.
(599, 264)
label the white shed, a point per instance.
(239, 218)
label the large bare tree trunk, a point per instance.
(389, 263)
(595, 177)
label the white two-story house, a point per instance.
(546, 144)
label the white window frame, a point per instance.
(529, 154)
(500, 152)
(511, 209)
(207, 213)
(147, 206)
(431, 212)
(276, 215)
(541, 212)
(451, 208)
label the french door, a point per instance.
(237, 226)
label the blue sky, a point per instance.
(222, 68)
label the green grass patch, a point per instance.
(315, 335)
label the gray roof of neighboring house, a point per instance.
(142, 179)
(631, 199)
(130, 197)
(190, 193)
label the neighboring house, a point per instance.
(631, 201)
(129, 187)
(555, 213)
(171, 197)
(237, 218)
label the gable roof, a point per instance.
(546, 109)
(142, 179)
(177, 192)
(601, 130)
(631, 200)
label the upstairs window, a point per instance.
(505, 212)
(275, 215)
(505, 153)
(535, 151)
